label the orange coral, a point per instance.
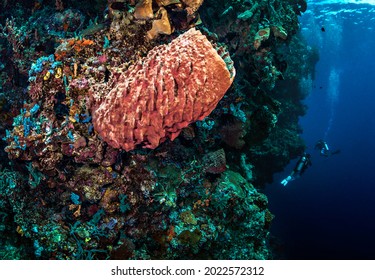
(60, 55)
(143, 10)
(170, 233)
(160, 26)
(109, 202)
(192, 5)
(78, 45)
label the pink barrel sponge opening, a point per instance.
(173, 86)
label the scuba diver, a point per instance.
(301, 166)
(324, 149)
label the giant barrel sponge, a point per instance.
(174, 85)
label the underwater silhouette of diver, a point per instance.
(324, 149)
(302, 164)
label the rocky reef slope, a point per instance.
(146, 129)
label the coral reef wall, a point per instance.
(146, 129)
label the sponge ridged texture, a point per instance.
(174, 85)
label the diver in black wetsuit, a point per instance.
(302, 164)
(324, 149)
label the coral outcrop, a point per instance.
(175, 85)
(170, 15)
(69, 190)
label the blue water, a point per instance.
(329, 212)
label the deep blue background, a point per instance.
(329, 212)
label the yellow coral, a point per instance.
(163, 3)
(47, 76)
(19, 230)
(160, 26)
(59, 73)
(188, 217)
(143, 10)
(192, 5)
